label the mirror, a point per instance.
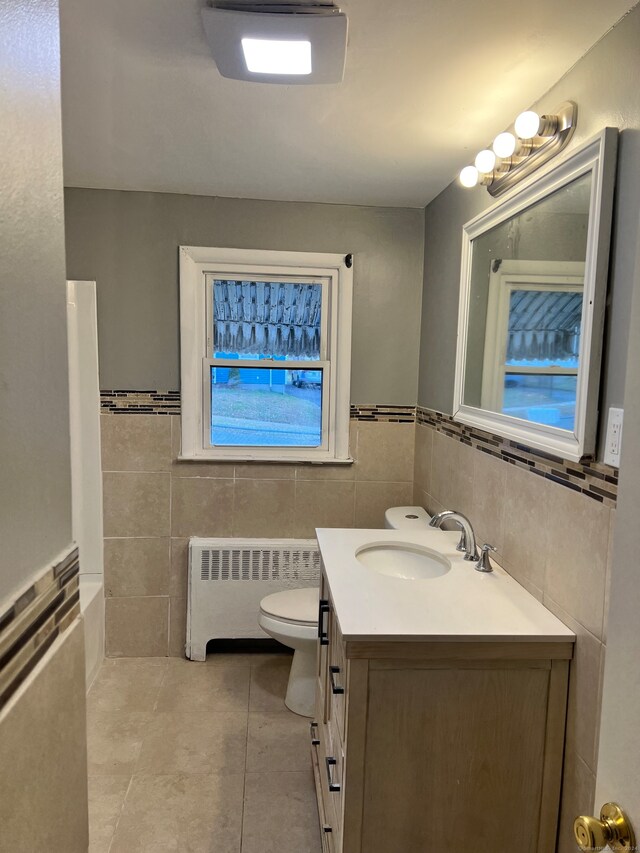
(532, 304)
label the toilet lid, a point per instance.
(293, 605)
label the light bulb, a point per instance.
(527, 124)
(504, 144)
(485, 161)
(469, 176)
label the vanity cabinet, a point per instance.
(429, 746)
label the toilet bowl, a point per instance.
(291, 617)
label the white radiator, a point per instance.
(228, 578)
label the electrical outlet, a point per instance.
(613, 441)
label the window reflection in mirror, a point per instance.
(525, 310)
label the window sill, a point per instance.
(288, 460)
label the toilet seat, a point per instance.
(292, 606)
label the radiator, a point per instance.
(228, 578)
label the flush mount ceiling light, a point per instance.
(277, 43)
(515, 153)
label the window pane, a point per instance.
(266, 319)
(266, 407)
(544, 328)
(543, 398)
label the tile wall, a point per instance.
(556, 541)
(43, 753)
(153, 503)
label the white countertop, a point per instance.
(461, 605)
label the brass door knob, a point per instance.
(612, 829)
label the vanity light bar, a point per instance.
(515, 153)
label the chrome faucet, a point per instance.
(467, 541)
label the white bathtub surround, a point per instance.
(86, 467)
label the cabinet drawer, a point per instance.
(324, 810)
(328, 769)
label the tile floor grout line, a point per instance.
(246, 758)
(124, 800)
(160, 686)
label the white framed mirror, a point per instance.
(532, 299)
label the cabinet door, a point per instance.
(455, 760)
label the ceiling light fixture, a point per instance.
(268, 56)
(517, 152)
(274, 43)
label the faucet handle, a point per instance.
(484, 563)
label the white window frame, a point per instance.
(562, 276)
(198, 266)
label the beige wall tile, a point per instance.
(323, 504)
(523, 580)
(177, 627)
(264, 508)
(137, 627)
(489, 482)
(525, 541)
(178, 578)
(136, 442)
(43, 755)
(372, 499)
(136, 504)
(201, 507)
(264, 471)
(607, 583)
(136, 566)
(585, 689)
(422, 456)
(461, 482)
(578, 792)
(179, 468)
(443, 454)
(385, 452)
(577, 557)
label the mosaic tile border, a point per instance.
(593, 479)
(140, 402)
(113, 402)
(31, 625)
(385, 414)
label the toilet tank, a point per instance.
(406, 518)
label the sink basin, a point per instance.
(403, 560)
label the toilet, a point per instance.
(291, 617)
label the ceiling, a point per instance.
(427, 83)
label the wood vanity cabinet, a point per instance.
(429, 746)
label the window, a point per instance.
(532, 346)
(265, 355)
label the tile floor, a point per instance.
(198, 758)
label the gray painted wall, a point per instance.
(35, 492)
(604, 85)
(128, 242)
